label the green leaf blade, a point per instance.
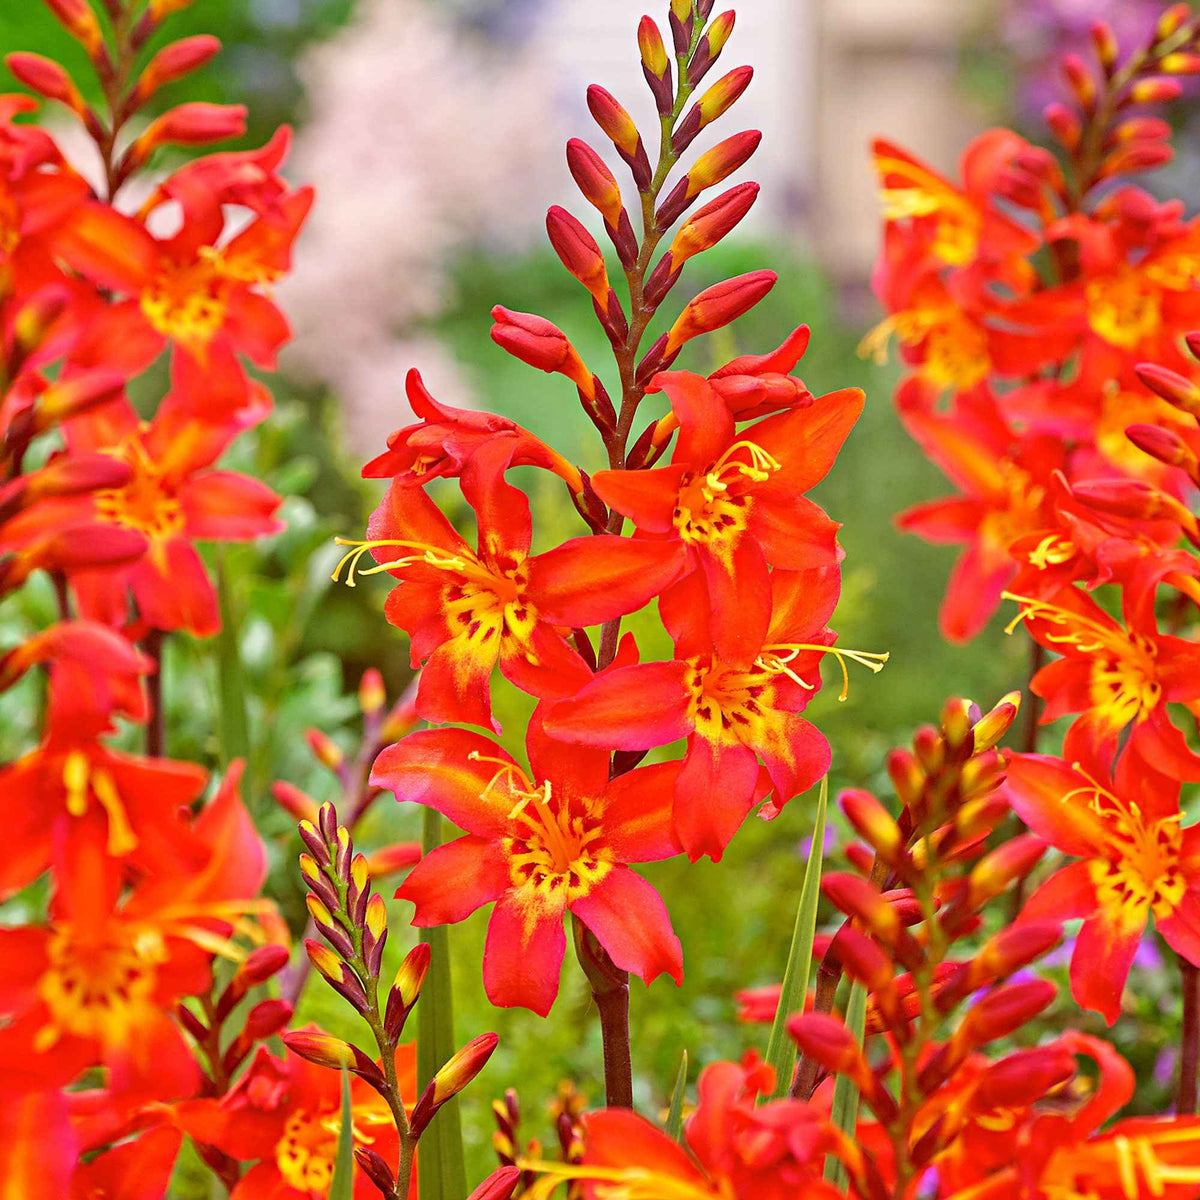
(342, 1185)
(781, 1053)
(441, 1165)
(844, 1112)
(675, 1114)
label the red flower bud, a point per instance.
(324, 749)
(718, 305)
(721, 161)
(175, 61)
(708, 225)
(1105, 43)
(578, 252)
(992, 726)
(193, 124)
(873, 823)
(387, 860)
(1064, 124)
(1165, 445)
(1132, 498)
(612, 117)
(291, 799)
(499, 1185)
(1176, 389)
(828, 1042)
(79, 20)
(1155, 91)
(325, 1050)
(536, 341)
(451, 1079)
(1003, 1011)
(595, 180)
(1080, 80)
(653, 51)
(1025, 1077)
(47, 77)
(1181, 63)
(372, 695)
(720, 97)
(74, 396)
(1171, 20)
(997, 869)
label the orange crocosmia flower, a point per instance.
(173, 498)
(735, 500)
(73, 778)
(956, 225)
(732, 714)
(202, 297)
(96, 985)
(135, 1170)
(442, 442)
(735, 1149)
(1114, 675)
(1134, 861)
(555, 841)
(284, 1114)
(1005, 495)
(467, 610)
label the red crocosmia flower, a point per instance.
(38, 1147)
(286, 1114)
(735, 500)
(201, 297)
(96, 985)
(73, 778)
(542, 845)
(734, 1150)
(957, 225)
(467, 610)
(731, 713)
(1134, 861)
(1138, 290)
(442, 442)
(1114, 675)
(1005, 496)
(173, 499)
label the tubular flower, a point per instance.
(1134, 861)
(734, 1150)
(441, 444)
(172, 499)
(1115, 675)
(187, 290)
(97, 984)
(734, 500)
(555, 841)
(956, 225)
(286, 1114)
(1005, 496)
(732, 714)
(467, 610)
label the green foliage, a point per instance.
(844, 1112)
(341, 1187)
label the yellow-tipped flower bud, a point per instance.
(372, 695)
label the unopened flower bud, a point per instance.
(44, 75)
(311, 836)
(1155, 91)
(619, 127)
(324, 749)
(176, 60)
(79, 20)
(337, 974)
(1012, 948)
(372, 695)
(595, 180)
(375, 931)
(260, 965)
(710, 47)
(956, 721)
(1064, 124)
(1165, 445)
(1181, 63)
(193, 124)
(74, 396)
(1105, 43)
(291, 799)
(1176, 389)
(717, 306)
(1132, 498)
(708, 225)
(715, 102)
(991, 727)
(406, 989)
(540, 344)
(1080, 80)
(998, 868)
(1023, 1078)
(1004, 1010)
(376, 1169)
(387, 860)
(578, 252)
(1135, 157)
(656, 66)
(325, 1050)
(708, 170)
(451, 1079)
(862, 959)
(267, 1018)
(873, 823)
(825, 1040)
(907, 777)
(1171, 20)
(1141, 129)
(499, 1185)
(929, 748)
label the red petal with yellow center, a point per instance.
(546, 667)
(1104, 952)
(739, 596)
(580, 771)
(794, 533)
(1040, 790)
(590, 580)
(434, 767)
(630, 921)
(408, 513)
(455, 683)
(452, 881)
(226, 506)
(523, 952)
(637, 813)
(714, 794)
(256, 327)
(647, 498)
(502, 511)
(111, 250)
(705, 426)
(620, 1138)
(806, 442)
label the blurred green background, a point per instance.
(296, 644)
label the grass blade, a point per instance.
(781, 1053)
(441, 1167)
(342, 1185)
(233, 725)
(844, 1113)
(675, 1115)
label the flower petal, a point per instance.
(633, 708)
(453, 880)
(523, 952)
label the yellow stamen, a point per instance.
(776, 658)
(434, 556)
